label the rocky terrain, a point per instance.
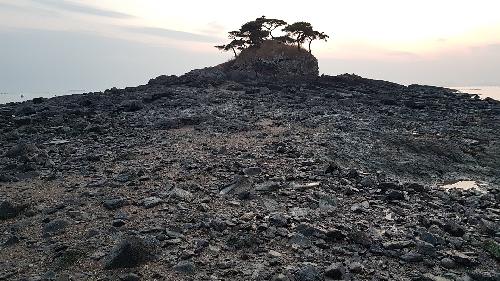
(208, 177)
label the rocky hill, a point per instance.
(211, 176)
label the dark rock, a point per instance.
(185, 266)
(447, 263)
(55, 227)
(118, 223)
(461, 258)
(308, 272)
(113, 204)
(453, 228)
(335, 271)
(8, 210)
(493, 248)
(130, 252)
(278, 220)
(129, 277)
(180, 194)
(151, 202)
(131, 105)
(412, 257)
(394, 195)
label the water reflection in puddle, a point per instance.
(463, 185)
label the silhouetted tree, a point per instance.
(271, 24)
(316, 35)
(254, 33)
(298, 32)
(302, 31)
(234, 45)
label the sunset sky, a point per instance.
(58, 45)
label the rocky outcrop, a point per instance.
(273, 60)
(201, 177)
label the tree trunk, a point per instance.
(234, 51)
(310, 41)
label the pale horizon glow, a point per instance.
(446, 42)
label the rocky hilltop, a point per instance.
(215, 175)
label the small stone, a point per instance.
(493, 248)
(411, 257)
(118, 223)
(335, 271)
(184, 266)
(461, 258)
(448, 263)
(113, 204)
(131, 105)
(130, 277)
(356, 267)
(180, 194)
(55, 226)
(252, 171)
(278, 220)
(275, 254)
(454, 228)
(151, 202)
(394, 195)
(9, 210)
(130, 252)
(308, 272)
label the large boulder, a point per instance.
(273, 60)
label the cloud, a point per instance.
(81, 9)
(173, 34)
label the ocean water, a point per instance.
(483, 91)
(6, 97)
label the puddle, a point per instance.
(463, 185)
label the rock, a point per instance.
(447, 263)
(273, 60)
(151, 202)
(278, 220)
(113, 204)
(396, 245)
(55, 227)
(334, 235)
(412, 257)
(356, 267)
(461, 258)
(394, 195)
(131, 105)
(180, 194)
(118, 223)
(453, 228)
(269, 186)
(129, 277)
(9, 210)
(431, 238)
(252, 171)
(185, 266)
(335, 271)
(493, 248)
(308, 272)
(240, 185)
(130, 252)
(21, 150)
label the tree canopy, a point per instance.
(253, 33)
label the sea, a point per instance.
(5, 97)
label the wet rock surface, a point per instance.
(202, 178)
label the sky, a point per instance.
(63, 45)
